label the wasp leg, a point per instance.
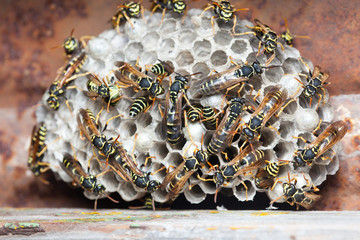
(301, 138)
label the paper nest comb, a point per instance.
(191, 47)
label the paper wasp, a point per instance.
(88, 127)
(330, 136)
(230, 78)
(288, 37)
(300, 197)
(176, 6)
(223, 10)
(127, 75)
(123, 164)
(267, 37)
(143, 181)
(72, 45)
(162, 69)
(179, 85)
(245, 161)
(264, 178)
(272, 101)
(126, 11)
(111, 94)
(87, 181)
(227, 127)
(37, 149)
(74, 169)
(316, 82)
(171, 122)
(179, 176)
(58, 87)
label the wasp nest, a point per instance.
(191, 47)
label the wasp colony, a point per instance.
(188, 101)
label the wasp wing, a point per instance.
(170, 176)
(335, 132)
(217, 82)
(179, 185)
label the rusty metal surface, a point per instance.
(29, 29)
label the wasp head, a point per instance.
(152, 186)
(298, 161)
(218, 178)
(71, 44)
(289, 189)
(99, 189)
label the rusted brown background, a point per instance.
(29, 29)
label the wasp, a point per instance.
(227, 127)
(110, 93)
(143, 181)
(171, 119)
(267, 37)
(288, 37)
(245, 161)
(229, 79)
(316, 82)
(141, 104)
(58, 87)
(272, 101)
(223, 10)
(72, 45)
(88, 127)
(130, 76)
(126, 11)
(123, 164)
(87, 181)
(178, 85)
(300, 197)
(162, 69)
(330, 136)
(37, 149)
(264, 178)
(179, 176)
(74, 169)
(177, 6)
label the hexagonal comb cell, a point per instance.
(184, 58)
(223, 38)
(238, 46)
(202, 48)
(219, 58)
(192, 48)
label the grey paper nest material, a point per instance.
(191, 47)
